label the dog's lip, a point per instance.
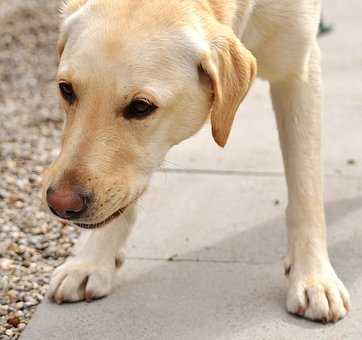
(111, 217)
(104, 222)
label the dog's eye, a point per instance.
(67, 92)
(139, 108)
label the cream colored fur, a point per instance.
(194, 58)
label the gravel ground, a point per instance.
(32, 243)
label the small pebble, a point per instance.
(21, 326)
(20, 305)
(19, 313)
(4, 283)
(5, 264)
(14, 321)
(9, 332)
(4, 310)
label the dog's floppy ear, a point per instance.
(231, 68)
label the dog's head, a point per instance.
(136, 78)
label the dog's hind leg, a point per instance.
(91, 272)
(315, 291)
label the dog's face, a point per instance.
(134, 82)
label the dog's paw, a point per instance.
(80, 279)
(319, 297)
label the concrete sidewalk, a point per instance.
(219, 215)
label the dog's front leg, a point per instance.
(315, 291)
(89, 273)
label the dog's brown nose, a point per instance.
(69, 204)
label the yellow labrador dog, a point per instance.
(137, 77)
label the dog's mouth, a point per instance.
(109, 219)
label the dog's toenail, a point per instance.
(324, 320)
(301, 311)
(89, 296)
(59, 300)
